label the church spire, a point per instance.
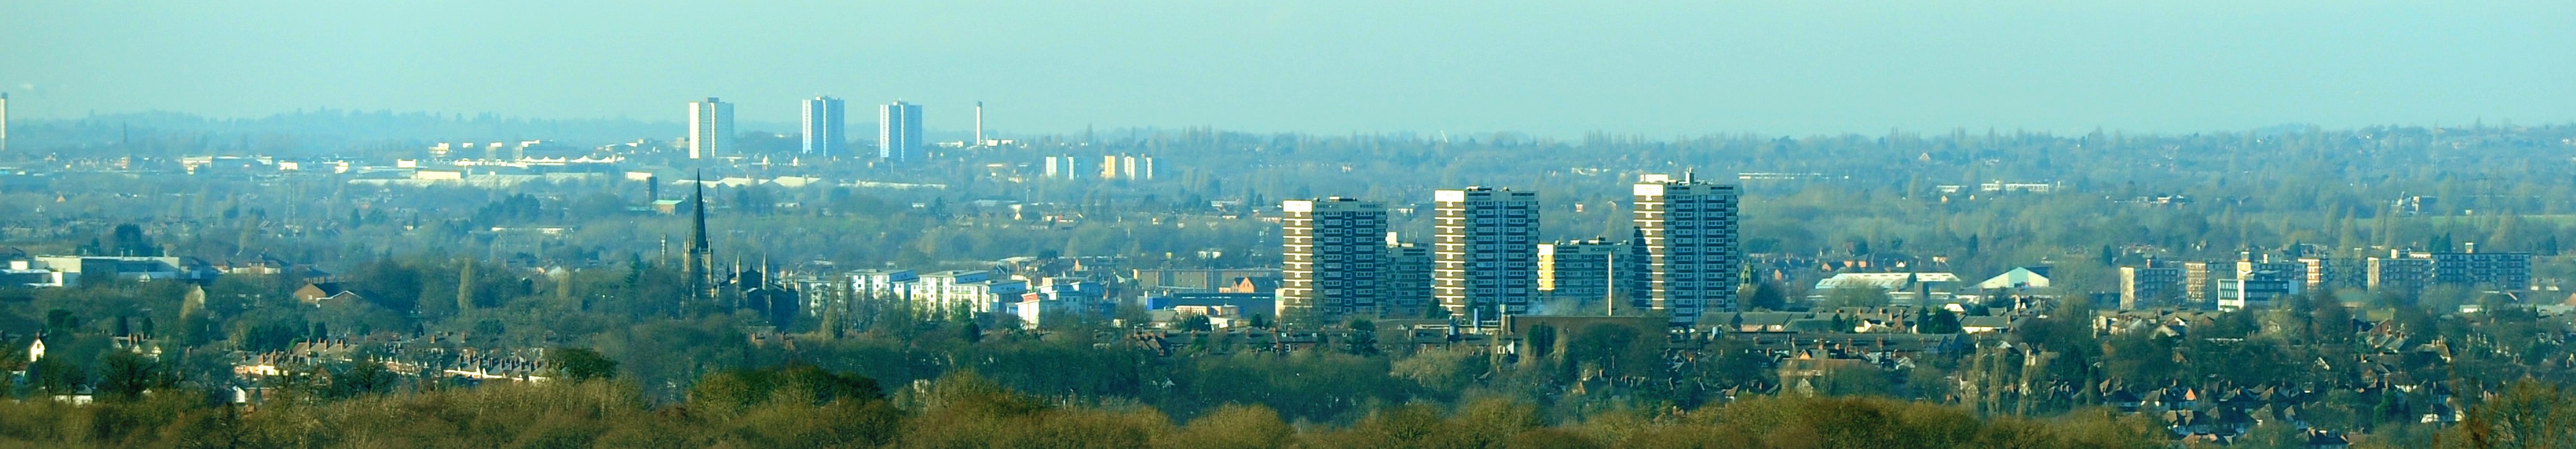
(701, 259)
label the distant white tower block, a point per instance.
(4, 122)
(825, 126)
(899, 133)
(710, 128)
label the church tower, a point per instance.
(701, 259)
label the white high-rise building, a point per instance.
(824, 126)
(1485, 251)
(1686, 259)
(710, 128)
(4, 122)
(1331, 256)
(899, 133)
(1061, 167)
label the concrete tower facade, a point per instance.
(825, 127)
(1485, 251)
(1332, 256)
(710, 128)
(1686, 235)
(1580, 271)
(899, 133)
(4, 122)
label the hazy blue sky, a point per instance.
(1657, 68)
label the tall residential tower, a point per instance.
(4, 122)
(899, 133)
(1686, 237)
(1331, 257)
(824, 127)
(1485, 251)
(710, 128)
(1579, 271)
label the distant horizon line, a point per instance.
(765, 125)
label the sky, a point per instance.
(1560, 68)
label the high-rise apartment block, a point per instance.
(4, 122)
(2159, 284)
(825, 127)
(710, 128)
(1485, 251)
(1580, 271)
(2506, 270)
(1331, 258)
(2403, 270)
(1687, 236)
(1119, 166)
(1405, 291)
(2195, 282)
(1062, 167)
(899, 133)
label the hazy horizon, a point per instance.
(1641, 68)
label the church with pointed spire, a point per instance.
(700, 261)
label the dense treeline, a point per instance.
(681, 354)
(802, 406)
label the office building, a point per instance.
(825, 127)
(2258, 292)
(2258, 281)
(1331, 256)
(899, 133)
(1485, 251)
(1686, 237)
(710, 128)
(4, 122)
(1578, 271)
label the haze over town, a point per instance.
(2270, 224)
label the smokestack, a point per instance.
(979, 124)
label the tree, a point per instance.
(1542, 340)
(465, 286)
(128, 240)
(1363, 337)
(52, 375)
(581, 364)
(1234, 426)
(2330, 322)
(1857, 296)
(1938, 321)
(2530, 414)
(1193, 322)
(1765, 295)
